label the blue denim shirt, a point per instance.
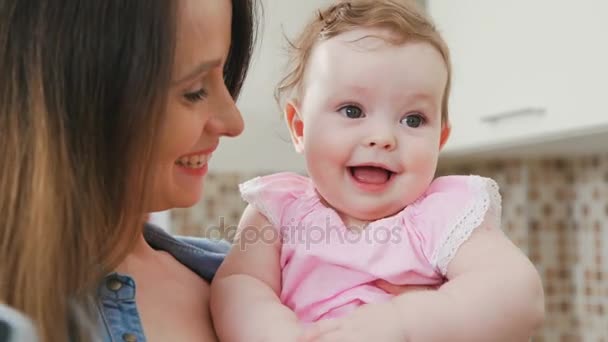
(116, 294)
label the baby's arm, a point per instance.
(493, 293)
(245, 302)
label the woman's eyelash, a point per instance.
(196, 96)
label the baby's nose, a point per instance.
(384, 141)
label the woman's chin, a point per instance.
(187, 200)
(186, 191)
(186, 197)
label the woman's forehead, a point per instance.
(203, 32)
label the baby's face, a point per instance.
(371, 113)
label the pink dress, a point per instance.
(328, 271)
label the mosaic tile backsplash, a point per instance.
(555, 210)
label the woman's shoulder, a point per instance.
(192, 263)
(203, 256)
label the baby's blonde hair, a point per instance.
(404, 18)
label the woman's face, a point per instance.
(200, 108)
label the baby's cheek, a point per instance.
(426, 167)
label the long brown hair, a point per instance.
(83, 87)
(405, 18)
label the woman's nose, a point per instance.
(226, 119)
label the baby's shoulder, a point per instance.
(282, 183)
(450, 210)
(458, 190)
(272, 194)
(451, 201)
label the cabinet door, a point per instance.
(525, 71)
(574, 49)
(497, 94)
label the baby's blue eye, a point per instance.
(414, 120)
(352, 112)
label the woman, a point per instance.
(109, 110)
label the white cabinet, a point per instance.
(524, 70)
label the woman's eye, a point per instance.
(196, 96)
(352, 112)
(414, 120)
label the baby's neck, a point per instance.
(354, 224)
(351, 223)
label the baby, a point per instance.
(318, 258)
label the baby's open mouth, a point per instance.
(370, 174)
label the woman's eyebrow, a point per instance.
(199, 69)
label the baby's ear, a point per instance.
(295, 125)
(445, 134)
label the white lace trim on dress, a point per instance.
(486, 206)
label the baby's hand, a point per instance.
(401, 289)
(371, 322)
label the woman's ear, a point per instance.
(445, 134)
(295, 125)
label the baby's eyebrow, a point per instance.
(421, 97)
(357, 89)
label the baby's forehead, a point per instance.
(368, 48)
(369, 58)
(363, 38)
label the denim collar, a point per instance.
(202, 256)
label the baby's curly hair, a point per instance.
(403, 17)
